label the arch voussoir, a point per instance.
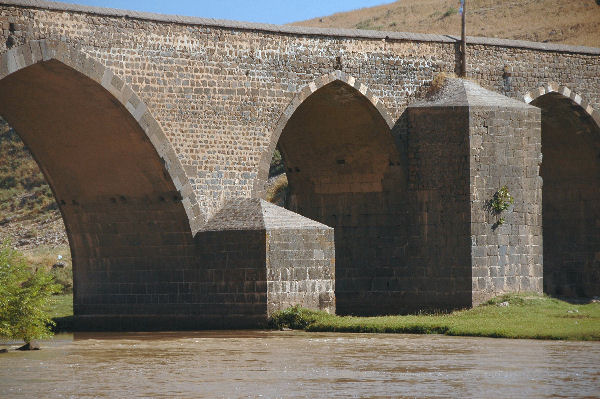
(306, 91)
(36, 51)
(565, 91)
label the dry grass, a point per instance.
(46, 257)
(277, 189)
(559, 21)
(24, 193)
(29, 215)
(438, 83)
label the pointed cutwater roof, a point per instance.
(457, 92)
(257, 214)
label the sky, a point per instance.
(268, 11)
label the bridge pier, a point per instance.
(252, 259)
(464, 146)
(155, 134)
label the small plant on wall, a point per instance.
(501, 201)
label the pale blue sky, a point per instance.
(269, 11)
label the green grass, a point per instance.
(62, 313)
(527, 316)
(61, 306)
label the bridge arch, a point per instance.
(128, 207)
(571, 191)
(345, 170)
(299, 98)
(55, 54)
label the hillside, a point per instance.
(559, 21)
(29, 215)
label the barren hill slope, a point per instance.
(559, 21)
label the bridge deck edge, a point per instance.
(300, 30)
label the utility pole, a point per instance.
(463, 40)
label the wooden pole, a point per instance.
(463, 42)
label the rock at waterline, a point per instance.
(30, 346)
(3, 350)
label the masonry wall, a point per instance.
(219, 91)
(232, 277)
(301, 269)
(345, 170)
(513, 71)
(132, 258)
(438, 269)
(215, 280)
(370, 243)
(505, 145)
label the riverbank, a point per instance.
(528, 315)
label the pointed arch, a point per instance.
(305, 92)
(565, 91)
(570, 170)
(45, 52)
(345, 170)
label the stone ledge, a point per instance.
(300, 30)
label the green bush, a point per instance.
(295, 317)
(24, 297)
(277, 166)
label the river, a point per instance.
(291, 364)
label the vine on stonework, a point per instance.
(500, 202)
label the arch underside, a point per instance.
(136, 263)
(122, 212)
(345, 171)
(143, 255)
(571, 197)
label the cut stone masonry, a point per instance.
(156, 132)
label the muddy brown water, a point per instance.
(240, 364)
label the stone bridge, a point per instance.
(156, 133)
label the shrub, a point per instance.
(277, 166)
(24, 297)
(278, 190)
(295, 317)
(438, 82)
(449, 12)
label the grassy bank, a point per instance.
(62, 306)
(61, 312)
(526, 316)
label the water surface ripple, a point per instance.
(240, 364)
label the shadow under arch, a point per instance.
(303, 94)
(45, 56)
(346, 171)
(571, 191)
(128, 208)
